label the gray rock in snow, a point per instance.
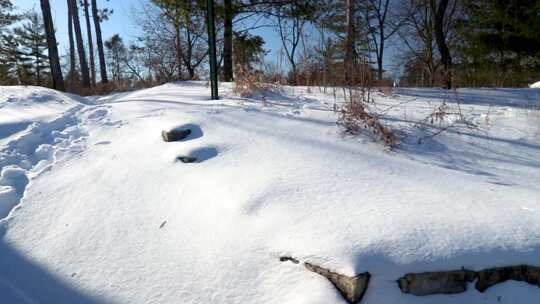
(428, 283)
(493, 276)
(175, 135)
(186, 159)
(351, 288)
(288, 259)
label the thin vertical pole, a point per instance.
(212, 49)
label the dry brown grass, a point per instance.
(246, 81)
(354, 117)
(445, 117)
(386, 90)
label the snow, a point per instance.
(96, 210)
(535, 85)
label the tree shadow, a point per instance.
(453, 150)
(24, 281)
(518, 98)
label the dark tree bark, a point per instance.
(54, 61)
(178, 49)
(71, 76)
(418, 22)
(99, 43)
(228, 41)
(290, 31)
(349, 44)
(380, 56)
(90, 44)
(380, 31)
(85, 75)
(438, 12)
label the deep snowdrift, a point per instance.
(106, 215)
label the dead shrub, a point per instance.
(439, 114)
(249, 82)
(245, 81)
(354, 116)
(445, 117)
(386, 90)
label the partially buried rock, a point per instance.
(175, 135)
(493, 276)
(351, 288)
(288, 259)
(186, 159)
(428, 283)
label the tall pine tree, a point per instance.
(8, 45)
(34, 67)
(54, 61)
(83, 63)
(6, 14)
(501, 39)
(9, 59)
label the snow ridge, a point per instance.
(29, 154)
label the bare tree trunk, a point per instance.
(349, 45)
(189, 54)
(228, 41)
(99, 43)
(71, 76)
(179, 50)
(191, 72)
(438, 27)
(85, 76)
(378, 10)
(90, 45)
(432, 68)
(54, 61)
(38, 64)
(380, 55)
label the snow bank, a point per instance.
(122, 222)
(38, 127)
(23, 104)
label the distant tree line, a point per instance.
(29, 49)
(444, 43)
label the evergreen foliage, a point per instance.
(501, 42)
(32, 52)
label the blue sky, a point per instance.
(122, 23)
(119, 23)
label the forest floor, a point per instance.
(96, 208)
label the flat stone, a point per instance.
(175, 135)
(443, 282)
(351, 288)
(494, 276)
(288, 259)
(186, 159)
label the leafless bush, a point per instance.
(354, 116)
(445, 117)
(386, 90)
(439, 114)
(247, 82)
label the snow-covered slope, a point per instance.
(106, 215)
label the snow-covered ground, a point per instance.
(96, 209)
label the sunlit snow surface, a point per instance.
(96, 209)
